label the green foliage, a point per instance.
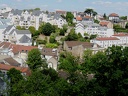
(47, 29)
(123, 17)
(96, 21)
(15, 77)
(37, 9)
(32, 30)
(39, 41)
(93, 36)
(69, 17)
(68, 62)
(109, 70)
(71, 36)
(63, 30)
(52, 39)
(35, 61)
(118, 28)
(20, 28)
(51, 45)
(90, 12)
(126, 26)
(104, 16)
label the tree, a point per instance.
(89, 11)
(96, 21)
(35, 61)
(123, 17)
(52, 39)
(48, 29)
(32, 30)
(71, 36)
(104, 16)
(94, 13)
(20, 28)
(93, 36)
(126, 26)
(37, 9)
(110, 72)
(15, 77)
(68, 62)
(69, 17)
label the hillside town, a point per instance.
(54, 33)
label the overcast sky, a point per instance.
(101, 6)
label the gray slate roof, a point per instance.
(36, 12)
(16, 12)
(7, 29)
(25, 39)
(22, 31)
(5, 14)
(57, 16)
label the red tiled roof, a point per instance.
(107, 38)
(16, 48)
(79, 18)
(61, 12)
(121, 34)
(113, 15)
(22, 69)
(104, 23)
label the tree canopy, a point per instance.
(47, 29)
(35, 61)
(69, 17)
(100, 74)
(90, 12)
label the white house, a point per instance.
(93, 29)
(51, 56)
(122, 36)
(22, 37)
(114, 17)
(106, 41)
(80, 29)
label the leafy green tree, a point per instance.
(51, 45)
(93, 36)
(96, 21)
(52, 39)
(71, 36)
(15, 77)
(110, 72)
(94, 13)
(32, 30)
(68, 62)
(123, 17)
(104, 16)
(35, 61)
(89, 11)
(126, 26)
(48, 29)
(20, 28)
(69, 17)
(37, 9)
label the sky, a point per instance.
(101, 6)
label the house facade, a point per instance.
(93, 29)
(13, 35)
(77, 48)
